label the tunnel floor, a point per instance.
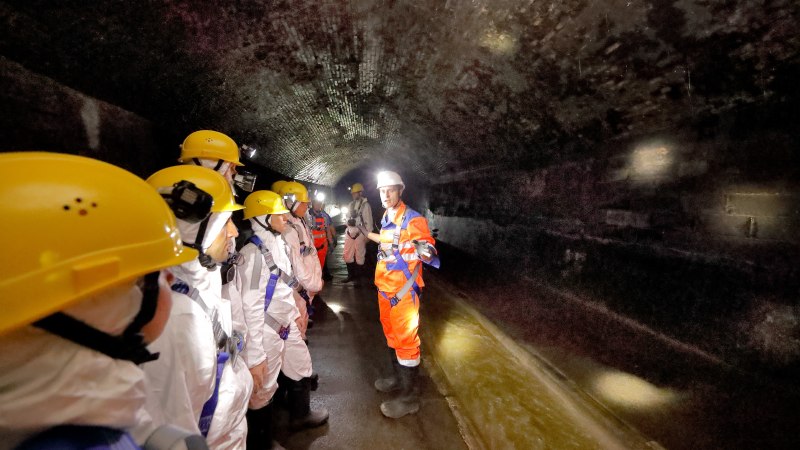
(349, 352)
(675, 395)
(521, 365)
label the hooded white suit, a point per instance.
(290, 355)
(183, 379)
(46, 380)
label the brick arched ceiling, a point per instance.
(322, 87)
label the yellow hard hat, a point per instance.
(261, 203)
(276, 186)
(207, 144)
(294, 188)
(75, 226)
(207, 180)
(357, 187)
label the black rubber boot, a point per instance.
(362, 275)
(300, 414)
(260, 429)
(279, 398)
(392, 382)
(326, 274)
(351, 272)
(408, 400)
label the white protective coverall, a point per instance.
(306, 268)
(291, 356)
(47, 381)
(180, 376)
(355, 243)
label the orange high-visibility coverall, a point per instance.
(319, 231)
(401, 321)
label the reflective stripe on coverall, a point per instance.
(319, 231)
(396, 265)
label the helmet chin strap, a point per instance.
(204, 259)
(268, 226)
(129, 346)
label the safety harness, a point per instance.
(227, 348)
(275, 274)
(355, 213)
(305, 249)
(400, 263)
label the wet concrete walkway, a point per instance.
(349, 353)
(678, 396)
(480, 389)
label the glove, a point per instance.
(424, 249)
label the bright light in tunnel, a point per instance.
(628, 390)
(345, 210)
(498, 43)
(248, 151)
(651, 161)
(332, 210)
(319, 196)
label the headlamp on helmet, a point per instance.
(187, 201)
(246, 181)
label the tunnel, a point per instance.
(614, 185)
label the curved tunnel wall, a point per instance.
(692, 232)
(662, 181)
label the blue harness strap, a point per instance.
(211, 404)
(400, 263)
(80, 437)
(225, 346)
(274, 270)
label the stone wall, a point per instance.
(39, 113)
(694, 232)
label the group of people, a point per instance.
(131, 320)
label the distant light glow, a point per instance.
(332, 210)
(628, 390)
(248, 151)
(498, 42)
(345, 210)
(320, 197)
(651, 161)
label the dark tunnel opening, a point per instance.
(639, 158)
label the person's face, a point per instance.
(356, 195)
(221, 247)
(278, 222)
(153, 329)
(390, 196)
(301, 210)
(316, 205)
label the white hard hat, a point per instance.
(389, 178)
